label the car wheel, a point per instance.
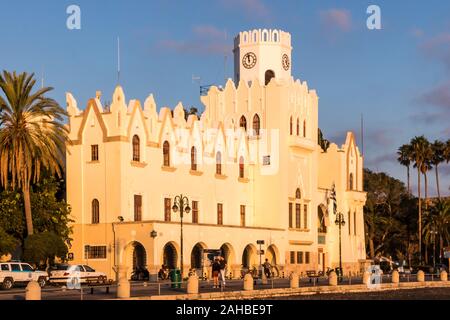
(7, 283)
(42, 282)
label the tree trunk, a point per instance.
(426, 253)
(441, 248)
(408, 178)
(420, 215)
(437, 182)
(372, 248)
(27, 204)
(426, 190)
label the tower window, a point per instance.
(193, 159)
(290, 126)
(136, 149)
(256, 125)
(95, 211)
(269, 75)
(304, 128)
(137, 207)
(243, 123)
(351, 181)
(219, 163)
(166, 154)
(298, 127)
(241, 167)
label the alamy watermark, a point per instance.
(374, 20)
(73, 21)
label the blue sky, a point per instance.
(398, 77)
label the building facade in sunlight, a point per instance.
(250, 166)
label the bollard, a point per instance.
(332, 279)
(420, 276)
(444, 276)
(192, 284)
(366, 278)
(395, 277)
(293, 278)
(248, 282)
(33, 291)
(123, 289)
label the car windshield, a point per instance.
(27, 267)
(88, 269)
(61, 267)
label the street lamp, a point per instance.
(340, 222)
(181, 203)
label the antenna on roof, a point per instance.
(118, 60)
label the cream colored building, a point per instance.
(251, 168)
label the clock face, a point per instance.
(249, 60)
(286, 62)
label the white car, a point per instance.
(72, 274)
(18, 272)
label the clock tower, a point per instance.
(262, 54)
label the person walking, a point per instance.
(267, 268)
(215, 272)
(223, 265)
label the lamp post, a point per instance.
(340, 222)
(181, 203)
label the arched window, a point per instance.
(166, 154)
(298, 194)
(241, 167)
(136, 149)
(304, 128)
(243, 123)
(193, 159)
(350, 184)
(218, 163)
(256, 125)
(290, 126)
(298, 126)
(269, 75)
(95, 211)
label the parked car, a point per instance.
(64, 273)
(12, 273)
(425, 268)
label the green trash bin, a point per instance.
(175, 278)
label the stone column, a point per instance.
(395, 276)
(236, 270)
(366, 278)
(332, 279)
(420, 276)
(444, 276)
(293, 280)
(192, 284)
(123, 285)
(248, 282)
(153, 272)
(33, 291)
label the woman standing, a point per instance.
(215, 272)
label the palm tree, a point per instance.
(442, 218)
(419, 150)
(446, 154)
(404, 158)
(32, 135)
(426, 166)
(438, 148)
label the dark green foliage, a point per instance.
(42, 247)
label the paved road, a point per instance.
(404, 294)
(141, 289)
